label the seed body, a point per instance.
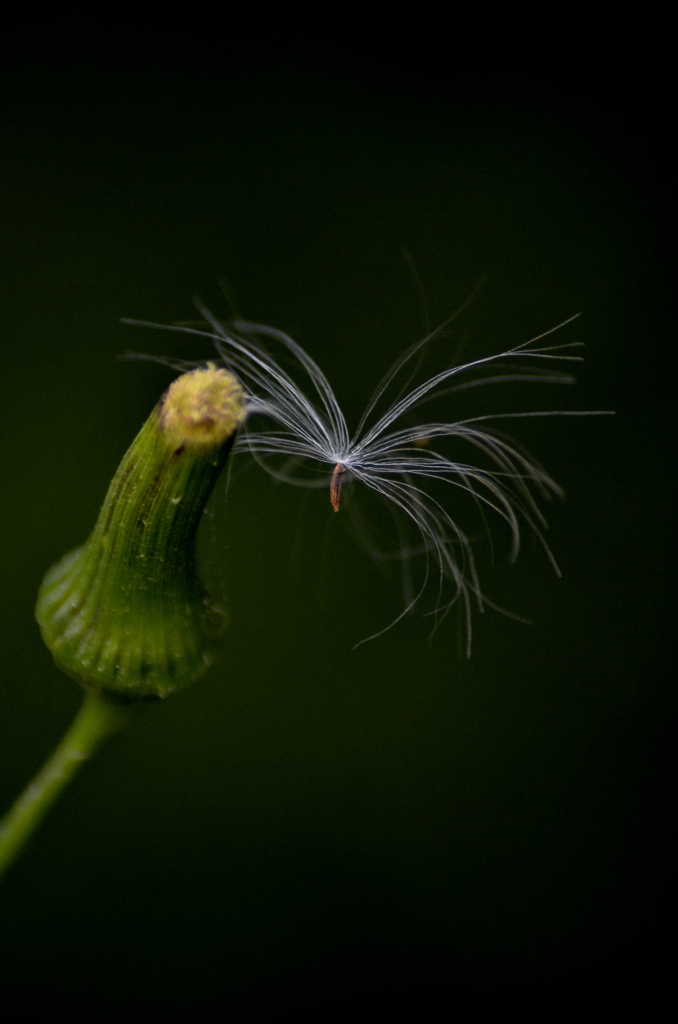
(335, 485)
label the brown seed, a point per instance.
(335, 485)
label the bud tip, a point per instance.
(201, 409)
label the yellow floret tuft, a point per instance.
(203, 408)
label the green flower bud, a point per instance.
(126, 614)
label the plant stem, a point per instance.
(97, 719)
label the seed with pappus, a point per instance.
(298, 432)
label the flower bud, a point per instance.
(126, 614)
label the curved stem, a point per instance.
(97, 719)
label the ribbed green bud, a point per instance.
(126, 614)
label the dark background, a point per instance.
(310, 818)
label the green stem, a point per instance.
(97, 719)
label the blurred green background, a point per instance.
(311, 816)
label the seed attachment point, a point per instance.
(202, 409)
